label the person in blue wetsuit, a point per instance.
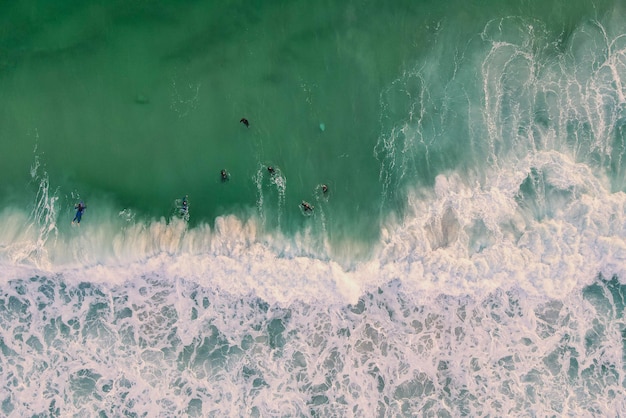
(80, 208)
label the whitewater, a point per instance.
(469, 259)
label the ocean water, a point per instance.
(468, 259)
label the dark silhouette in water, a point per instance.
(306, 206)
(324, 188)
(184, 209)
(271, 170)
(224, 175)
(245, 122)
(80, 208)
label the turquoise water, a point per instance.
(143, 102)
(467, 259)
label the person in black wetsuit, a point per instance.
(184, 209)
(306, 206)
(224, 175)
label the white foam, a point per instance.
(462, 238)
(551, 256)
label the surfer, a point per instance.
(80, 208)
(306, 206)
(224, 175)
(185, 207)
(271, 170)
(324, 188)
(245, 122)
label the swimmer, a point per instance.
(271, 170)
(224, 175)
(306, 206)
(324, 188)
(245, 122)
(80, 208)
(185, 207)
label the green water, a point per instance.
(139, 102)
